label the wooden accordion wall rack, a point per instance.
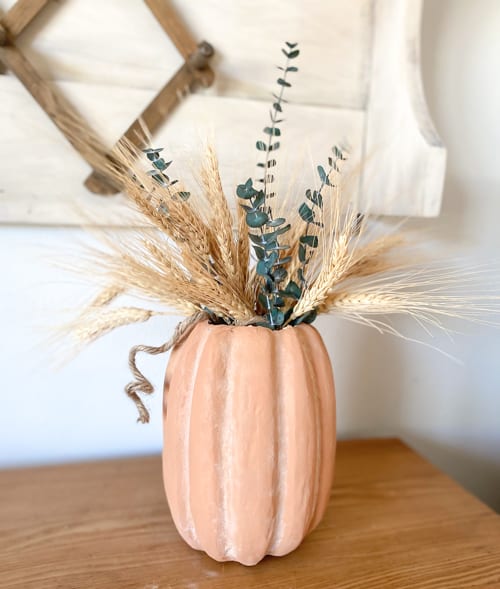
(194, 72)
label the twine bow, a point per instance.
(141, 384)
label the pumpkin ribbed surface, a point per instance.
(249, 439)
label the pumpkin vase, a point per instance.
(249, 438)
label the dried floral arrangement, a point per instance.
(272, 264)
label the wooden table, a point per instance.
(393, 521)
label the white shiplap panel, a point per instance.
(119, 42)
(359, 79)
(403, 171)
(41, 176)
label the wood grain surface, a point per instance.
(172, 24)
(393, 521)
(21, 14)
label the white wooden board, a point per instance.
(359, 81)
(51, 174)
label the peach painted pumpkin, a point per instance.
(249, 439)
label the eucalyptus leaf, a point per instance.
(256, 219)
(272, 258)
(152, 154)
(284, 83)
(310, 240)
(276, 232)
(293, 54)
(291, 45)
(302, 253)
(243, 192)
(259, 199)
(308, 317)
(278, 301)
(272, 131)
(323, 175)
(338, 153)
(278, 317)
(276, 222)
(263, 300)
(315, 197)
(162, 180)
(306, 213)
(261, 146)
(259, 252)
(161, 164)
(280, 274)
(257, 239)
(262, 268)
(292, 290)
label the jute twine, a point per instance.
(141, 384)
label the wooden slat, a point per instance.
(3, 35)
(55, 106)
(393, 522)
(21, 14)
(173, 25)
(155, 114)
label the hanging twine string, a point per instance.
(141, 384)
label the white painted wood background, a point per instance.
(359, 81)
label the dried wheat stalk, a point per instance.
(197, 257)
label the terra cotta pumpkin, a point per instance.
(249, 438)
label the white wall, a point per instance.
(386, 386)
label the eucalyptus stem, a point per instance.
(308, 212)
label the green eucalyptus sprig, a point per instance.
(266, 242)
(278, 294)
(309, 212)
(259, 215)
(158, 173)
(273, 131)
(267, 248)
